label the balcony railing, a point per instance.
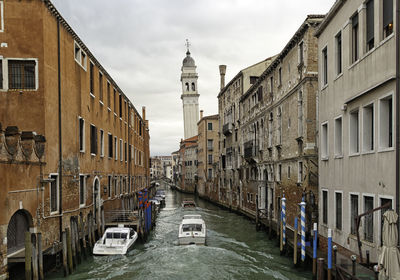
(250, 150)
(227, 128)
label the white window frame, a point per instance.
(84, 189)
(5, 73)
(349, 210)
(371, 104)
(374, 215)
(326, 155)
(121, 149)
(322, 207)
(101, 143)
(335, 216)
(83, 134)
(2, 16)
(116, 147)
(338, 154)
(58, 193)
(81, 63)
(380, 147)
(352, 153)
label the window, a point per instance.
(301, 53)
(81, 135)
(279, 174)
(120, 106)
(338, 205)
(338, 137)
(300, 172)
(115, 102)
(210, 174)
(368, 128)
(354, 38)
(369, 219)
(210, 126)
(370, 25)
(101, 143)
(108, 95)
(1, 16)
(300, 114)
(386, 122)
(54, 193)
(121, 150)
(253, 79)
(193, 87)
(101, 87)
(338, 40)
(210, 144)
(82, 190)
(324, 141)
(325, 66)
(116, 147)
(353, 213)
(110, 145)
(354, 132)
(125, 152)
(325, 207)
(1, 72)
(22, 74)
(210, 159)
(91, 78)
(93, 140)
(79, 55)
(109, 186)
(271, 81)
(279, 114)
(115, 186)
(387, 17)
(280, 76)
(288, 172)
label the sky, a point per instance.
(141, 44)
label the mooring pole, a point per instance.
(295, 241)
(329, 254)
(315, 243)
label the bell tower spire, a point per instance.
(190, 96)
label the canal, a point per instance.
(234, 250)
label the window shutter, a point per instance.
(387, 12)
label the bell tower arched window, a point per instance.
(187, 86)
(193, 87)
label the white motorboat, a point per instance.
(192, 230)
(188, 204)
(115, 241)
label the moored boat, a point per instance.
(192, 230)
(188, 203)
(115, 241)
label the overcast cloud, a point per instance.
(141, 44)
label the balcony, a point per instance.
(250, 151)
(227, 128)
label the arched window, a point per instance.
(279, 125)
(193, 87)
(187, 86)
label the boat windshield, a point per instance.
(191, 227)
(117, 235)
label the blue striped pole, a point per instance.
(329, 249)
(303, 229)
(315, 243)
(284, 220)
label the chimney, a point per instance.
(201, 114)
(222, 71)
(144, 113)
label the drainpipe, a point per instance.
(59, 128)
(129, 149)
(397, 36)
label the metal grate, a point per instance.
(21, 74)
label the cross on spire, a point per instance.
(187, 44)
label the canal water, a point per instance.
(234, 250)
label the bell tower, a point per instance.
(190, 96)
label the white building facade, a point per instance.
(356, 120)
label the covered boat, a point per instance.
(192, 230)
(115, 241)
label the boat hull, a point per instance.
(198, 240)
